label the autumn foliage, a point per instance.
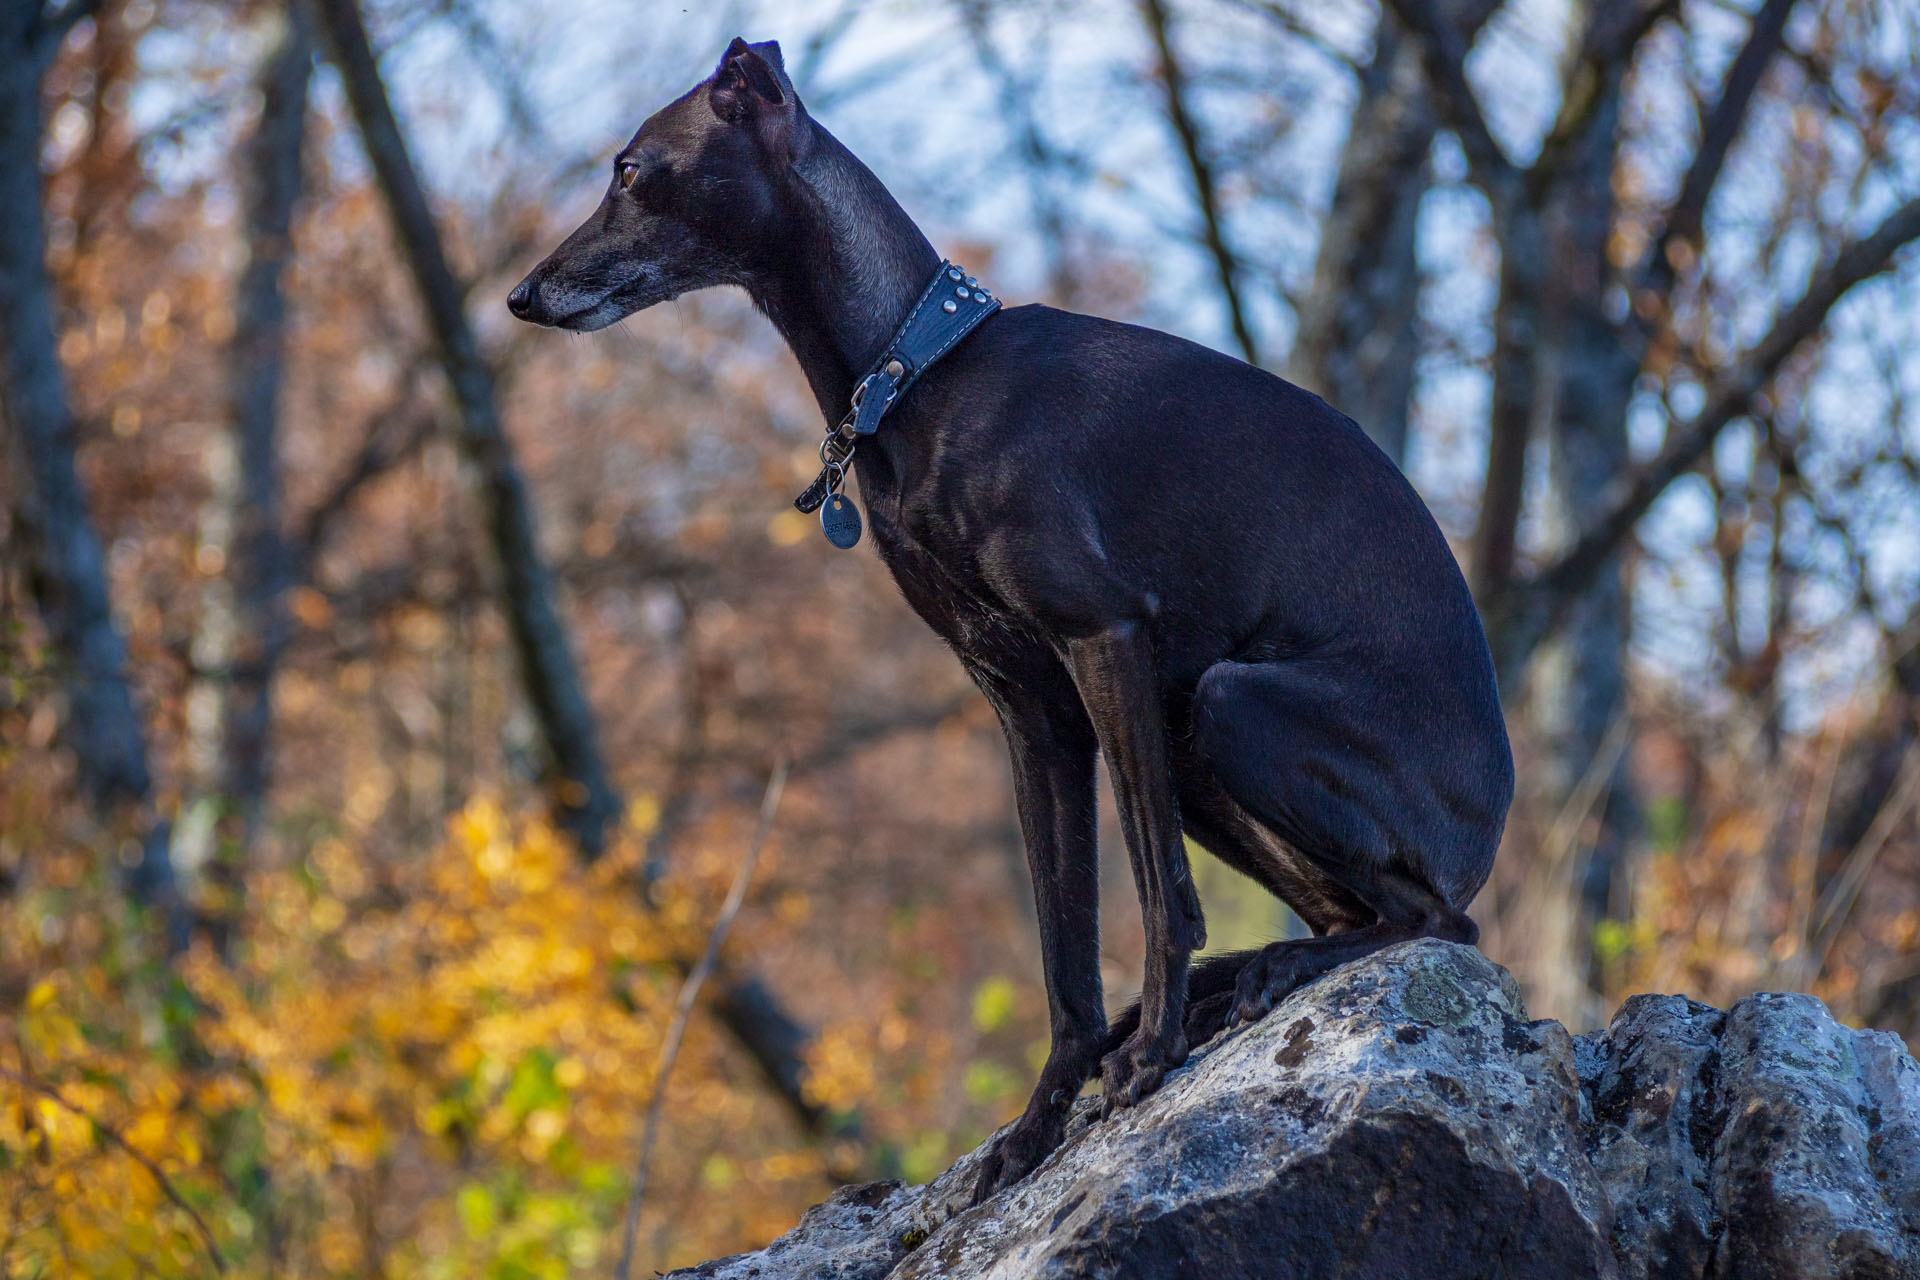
(414, 1033)
(430, 1069)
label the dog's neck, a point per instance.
(856, 266)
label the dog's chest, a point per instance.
(949, 593)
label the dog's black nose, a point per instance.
(521, 299)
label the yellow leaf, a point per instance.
(788, 528)
(992, 1004)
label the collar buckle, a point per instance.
(873, 397)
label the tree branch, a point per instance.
(1358, 340)
(1297, 27)
(1717, 135)
(1206, 192)
(483, 45)
(139, 1157)
(1039, 158)
(1446, 59)
(1613, 32)
(1629, 497)
(392, 439)
(256, 362)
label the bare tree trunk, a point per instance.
(1517, 225)
(1510, 423)
(1523, 612)
(67, 571)
(1580, 687)
(261, 566)
(210, 655)
(1593, 378)
(242, 626)
(1358, 342)
(584, 799)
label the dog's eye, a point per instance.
(627, 172)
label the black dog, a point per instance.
(1139, 548)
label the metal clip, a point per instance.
(867, 412)
(836, 452)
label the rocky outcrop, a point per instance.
(1402, 1117)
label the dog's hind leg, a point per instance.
(1373, 804)
(1115, 674)
(1218, 824)
(1212, 818)
(1226, 830)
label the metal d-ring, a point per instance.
(835, 454)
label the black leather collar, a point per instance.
(950, 308)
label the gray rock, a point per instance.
(1654, 1115)
(1813, 1179)
(1403, 1118)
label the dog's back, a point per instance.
(1263, 523)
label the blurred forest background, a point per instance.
(388, 691)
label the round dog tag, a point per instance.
(840, 521)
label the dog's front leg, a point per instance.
(1114, 671)
(1052, 748)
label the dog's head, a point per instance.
(691, 204)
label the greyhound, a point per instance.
(1138, 548)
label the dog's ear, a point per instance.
(751, 86)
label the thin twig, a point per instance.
(1552, 936)
(1837, 902)
(1806, 862)
(1719, 130)
(112, 1135)
(1580, 802)
(389, 442)
(683, 1009)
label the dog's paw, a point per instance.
(1017, 1153)
(1268, 978)
(1136, 1069)
(1208, 1018)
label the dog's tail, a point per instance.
(1210, 984)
